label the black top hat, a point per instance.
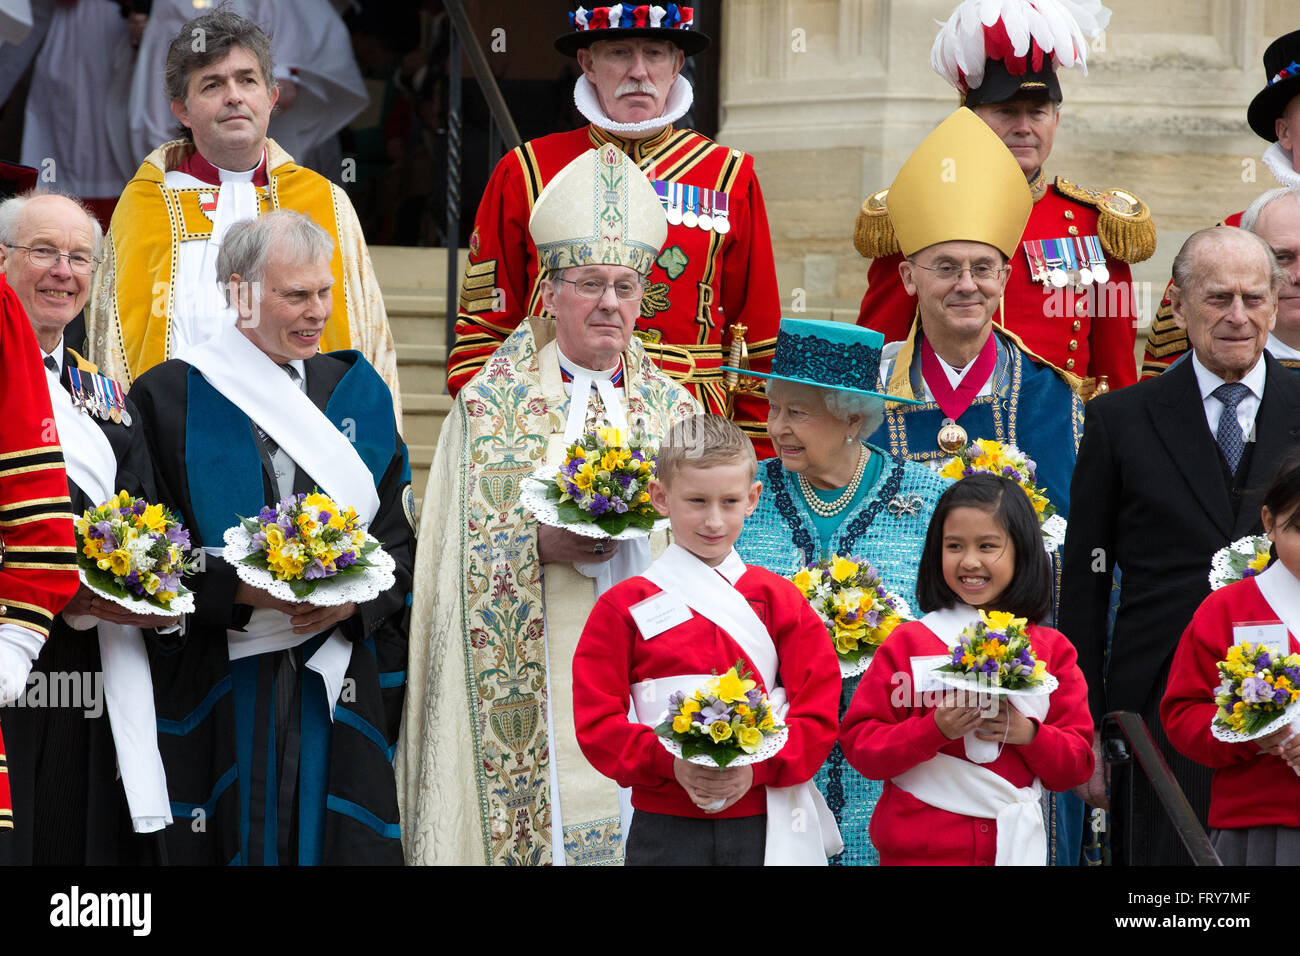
(670, 22)
(1281, 85)
(1001, 85)
(15, 179)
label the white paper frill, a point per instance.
(532, 495)
(330, 592)
(1292, 713)
(1221, 572)
(972, 684)
(854, 668)
(183, 603)
(771, 745)
(1053, 533)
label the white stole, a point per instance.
(710, 595)
(256, 385)
(128, 684)
(584, 380)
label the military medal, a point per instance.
(689, 218)
(1085, 274)
(721, 224)
(1034, 255)
(674, 210)
(661, 190)
(706, 221)
(1097, 258)
(78, 395)
(1058, 276)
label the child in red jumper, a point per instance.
(653, 634)
(1255, 793)
(983, 551)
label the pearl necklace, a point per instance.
(829, 509)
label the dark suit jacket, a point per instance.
(1149, 494)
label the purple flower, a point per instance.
(715, 712)
(754, 698)
(345, 560)
(178, 535)
(1255, 690)
(599, 505)
(873, 619)
(324, 517)
(259, 541)
(266, 515)
(106, 534)
(1263, 662)
(618, 506)
(169, 582)
(675, 701)
(315, 571)
(132, 582)
(138, 507)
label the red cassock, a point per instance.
(1090, 333)
(1249, 789)
(38, 571)
(1166, 342)
(886, 732)
(612, 656)
(702, 282)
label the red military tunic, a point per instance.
(1166, 342)
(612, 656)
(1249, 789)
(886, 732)
(1090, 333)
(702, 282)
(38, 570)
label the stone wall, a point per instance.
(831, 96)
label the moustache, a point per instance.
(629, 87)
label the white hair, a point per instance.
(11, 217)
(1250, 218)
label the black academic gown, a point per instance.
(1151, 493)
(192, 678)
(69, 805)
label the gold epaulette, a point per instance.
(873, 233)
(1123, 222)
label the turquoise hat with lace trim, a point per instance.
(835, 355)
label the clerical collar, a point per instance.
(198, 167)
(679, 100)
(570, 368)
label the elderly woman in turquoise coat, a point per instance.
(828, 493)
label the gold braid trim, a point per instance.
(873, 233)
(1123, 221)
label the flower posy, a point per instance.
(995, 458)
(1244, 558)
(604, 480)
(306, 539)
(1257, 685)
(850, 598)
(725, 718)
(996, 650)
(133, 549)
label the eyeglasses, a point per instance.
(951, 272)
(626, 290)
(44, 257)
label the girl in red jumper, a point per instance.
(983, 551)
(1255, 793)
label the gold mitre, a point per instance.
(961, 183)
(599, 210)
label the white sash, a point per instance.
(128, 684)
(245, 375)
(712, 596)
(1281, 590)
(958, 786)
(947, 625)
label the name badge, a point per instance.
(659, 613)
(1272, 634)
(923, 677)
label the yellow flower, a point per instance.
(955, 470)
(767, 723)
(153, 518)
(1040, 669)
(803, 580)
(584, 477)
(93, 548)
(731, 688)
(842, 569)
(274, 538)
(1000, 620)
(609, 435)
(690, 706)
(119, 562)
(151, 583)
(577, 451)
(318, 501)
(121, 501)
(749, 738)
(681, 723)
(846, 640)
(1258, 563)
(719, 730)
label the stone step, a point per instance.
(416, 317)
(422, 368)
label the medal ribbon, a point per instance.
(953, 402)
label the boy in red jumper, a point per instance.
(697, 611)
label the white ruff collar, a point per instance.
(679, 101)
(1282, 165)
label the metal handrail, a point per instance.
(1124, 740)
(502, 135)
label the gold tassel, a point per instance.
(873, 233)
(1125, 226)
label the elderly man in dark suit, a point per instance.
(1168, 472)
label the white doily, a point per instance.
(854, 668)
(183, 603)
(532, 495)
(1221, 572)
(1273, 726)
(969, 682)
(769, 748)
(1053, 533)
(330, 592)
